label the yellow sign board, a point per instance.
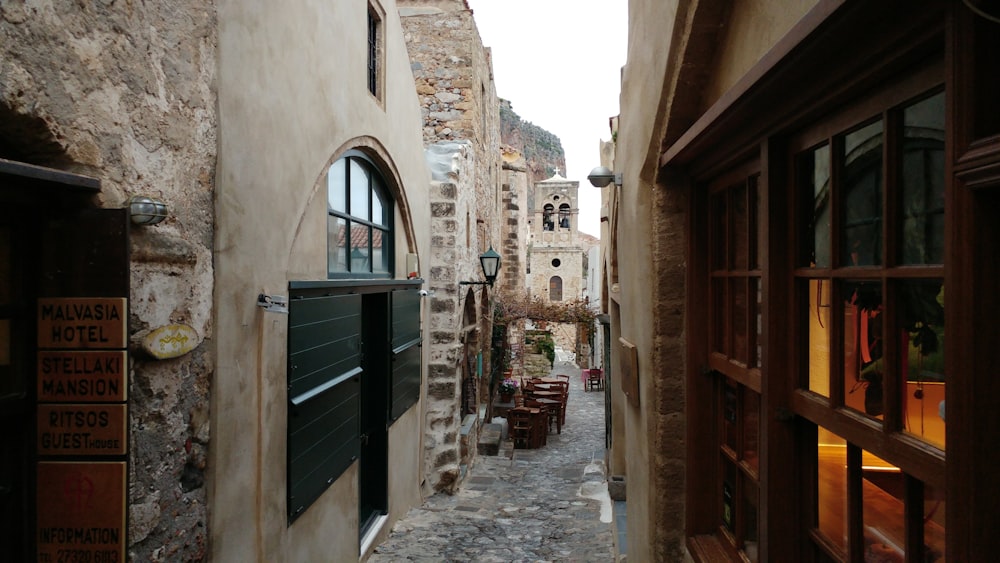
(82, 322)
(81, 511)
(81, 429)
(76, 376)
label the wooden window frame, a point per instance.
(375, 52)
(919, 461)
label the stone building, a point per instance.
(461, 129)
(282, 283)
(800, 182)
(556, 270)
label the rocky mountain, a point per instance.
(542, 151)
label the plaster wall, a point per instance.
(125, 92)
(287, 109)
(753, 27)
(655, 477)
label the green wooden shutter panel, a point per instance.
(406, 357)
(324, 370)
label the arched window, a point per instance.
(359, 219)
(548, 221)
(564, 216)
(555, 288)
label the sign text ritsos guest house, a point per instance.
(82, 428)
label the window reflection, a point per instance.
(863, 363)
(336, 244)
(819, 336)
(336, 187)
(861, 213)
(921, 312)
(831, 480)
(359, 190)
(814, 178)
(923, 182)
(882, 488)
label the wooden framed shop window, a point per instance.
(869, 187)
(735, 354)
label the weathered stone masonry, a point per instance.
(124, 91)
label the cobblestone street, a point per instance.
(546, 504)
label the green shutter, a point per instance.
(324, 369)
(406, 357)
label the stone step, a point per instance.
(489, 438)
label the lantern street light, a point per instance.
(490, 261)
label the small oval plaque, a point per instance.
(170, 341)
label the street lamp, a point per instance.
(490, 262)
(602, 176)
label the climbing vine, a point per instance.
(510, 308)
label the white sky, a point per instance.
(559, 63)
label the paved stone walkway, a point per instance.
(547, 504)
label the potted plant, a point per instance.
(507, 388)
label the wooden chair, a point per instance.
(563, 399)
(595, 380)
(521, 427)
(551, 411)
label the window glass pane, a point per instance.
(934, 503)
(5, 267)
(831, 482)
(729, 417)
(359, 190)
(882, 489)
(739, 250)
(360, 248)
(738, 294)
(719, 316)
(380, 251)
(336, 187)
(863, 362)
(729, 495)
(813, 170)
(751, 428)
(718, 235)
(756, 320)
(379, 207)
(921, 316)
(336, 244)
(861, 243)
(819, 336)
(750, 520)
(923, 182)
(755, 233)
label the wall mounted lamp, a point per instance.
(490, 261)
(602, 176)
(145, 210)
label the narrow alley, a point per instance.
(546, 504)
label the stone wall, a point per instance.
(124, 91)
(453, 259)
(453, 75)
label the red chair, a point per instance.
(595, 380)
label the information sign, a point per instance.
(81, 511)
(81, 429)
(75, 376)
(82, 322)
